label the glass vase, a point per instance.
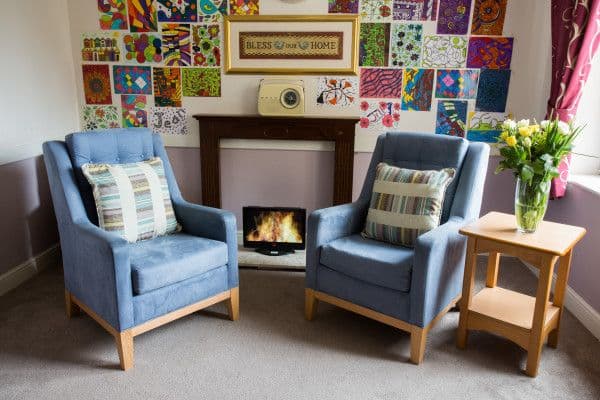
(531, 201)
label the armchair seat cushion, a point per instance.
(371, 261)
(166, 260)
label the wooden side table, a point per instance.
(523, 319)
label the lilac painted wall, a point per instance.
(28, 224)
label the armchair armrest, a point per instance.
(98, 272)
(326, 225)
(211, 223)
(437, 271)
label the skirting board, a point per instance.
(21, 273)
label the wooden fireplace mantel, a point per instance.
(214, 128)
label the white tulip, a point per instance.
(523, 123)
(563, 128)
(527, 142)
(544, 124)
(509, 125)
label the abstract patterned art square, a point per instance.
(376, 10)
(112, 14)
(168, 120)
(244, 7)
(489, 52)
(176, 44)
(492, 90)
(456, 84)
(133, 111)
(379, 115)
(211, 11)
(337, 91)
(485, 126)
(381, 83)
(202, 82)
(100, 46)
(374, 45)
(342, 6)
(96, 84)
(451, 118)
(418, 88)
(444, 51)
(406, 42)
(167, 87)
(142, 48)
(177, 10)
(206, 45)
(142, 16)
(453, 17)
(488, 17)
(99, 117)
(414, 10)
(132, 79)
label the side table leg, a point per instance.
(492, 269)
(536, 338)
(467, 294)
(564, 265)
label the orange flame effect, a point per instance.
(275, 226)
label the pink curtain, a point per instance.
(575, 39)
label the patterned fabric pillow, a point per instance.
(133, 199)
(405, 203)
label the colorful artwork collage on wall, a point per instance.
(464, 65)
(148, 56)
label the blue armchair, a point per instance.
(128, 288)
(409, 289)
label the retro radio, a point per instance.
(279, 97)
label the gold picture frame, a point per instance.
(291, 44)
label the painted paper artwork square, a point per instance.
(485, 126)
(244, 7)
(414, 10)
(488, 17)
(379, 115)
(453, 17)
(142, 48)
(376, 10)
(418, 88)
(456, 84)
(492, 90)
(167, 87)
(177, 10)
(444, 51)
(202, 82)
(142, 16)
(168, 120)
(451, 118)
(100, 46)
(133, 111)
(96, 84)
(337, 91)
(112, 14)
(490, 52)
(380, 83)
(132, 79)
(99, 117)
(206, 45)
(374, 44)
(406, 43)
(342, 6)
(176, 44)
(211, 11)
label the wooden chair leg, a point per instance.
(71, 308)
(233, 304)
(310, 304)
(418, 338)
(125, 348)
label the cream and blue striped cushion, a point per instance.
(405, 203)
(133, 199)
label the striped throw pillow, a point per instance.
(133, 199)
(405, 203)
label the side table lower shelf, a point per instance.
(508, 314)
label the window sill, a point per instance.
(590, 182)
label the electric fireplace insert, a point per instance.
(274, 230)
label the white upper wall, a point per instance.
(38, 100)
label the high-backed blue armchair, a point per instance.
(133, 288)
(407, 288)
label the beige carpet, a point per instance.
(273, 353)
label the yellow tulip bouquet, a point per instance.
(533, 152)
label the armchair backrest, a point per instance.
(114, 146)
(424, 151)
